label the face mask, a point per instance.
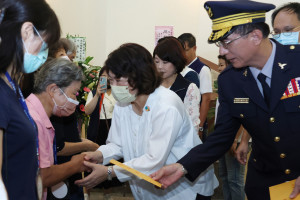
(65, 57)
(121, 94)
(33, 62)
(287, 40)
(67, 109)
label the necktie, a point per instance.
(266, 89)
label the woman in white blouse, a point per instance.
(150, 128)
(169, 58)
(100, 123)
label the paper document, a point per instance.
(135, 172)
(282, 191)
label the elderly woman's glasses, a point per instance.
(276, 34)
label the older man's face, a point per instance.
(240, 50)
(286, 21)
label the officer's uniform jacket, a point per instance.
(275, 131)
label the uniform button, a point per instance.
(254, 159)
(276, 139)
(272, 119)
(287, 171)
(292, 47)
(241, 115)
(282, 155)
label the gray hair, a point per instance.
(69, 45)
(60, 71)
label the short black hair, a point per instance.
(170, 49)
(247, 28)
(188, 38)
(134, 62)
(292, 7)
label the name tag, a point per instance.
(241, 100)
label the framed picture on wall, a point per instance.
(81, 47)
(163, 31)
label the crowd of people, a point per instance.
(150, 110)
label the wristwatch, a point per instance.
(109, 172)
(201, 128)
(183, 169)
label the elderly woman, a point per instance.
(150, 128)
(27, 28)
(55, 88)
(70, 48)
(169, 58)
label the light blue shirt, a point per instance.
(266, 70)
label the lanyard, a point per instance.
(25, 108)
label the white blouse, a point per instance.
(161, 136)
(108, 103)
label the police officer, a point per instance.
(260, 91)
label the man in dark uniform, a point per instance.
(259, 91)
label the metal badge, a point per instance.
(241, 100)
(282, 65)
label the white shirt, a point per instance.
(161, 136)
(108, 103)
(205, 79)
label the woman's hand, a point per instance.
(98, 175)
(94, 157)
(100, 89)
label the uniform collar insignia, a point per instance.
(282, 65)
(245, 73)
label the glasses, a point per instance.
(276, 34)
(225, 44)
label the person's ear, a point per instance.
(256, 36)
(195, 48)
(50, 89)
(27, 31)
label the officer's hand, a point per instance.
(233, 148)
(168, 175)
(296, 190)
(241, 153)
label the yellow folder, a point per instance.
(135, 172)
(282, 191)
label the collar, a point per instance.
(267, 69)
(192, 61)
(39, 110)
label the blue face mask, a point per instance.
(33, 62)
(287, 40)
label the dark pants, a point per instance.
(201, 197)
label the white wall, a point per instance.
(109, 23)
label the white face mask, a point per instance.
(65, 57)
(122, 94)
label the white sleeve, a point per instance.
(205, 80)
(192, 104)
(166, 124)
(113, 147)
(3, 193)
(89, 98)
